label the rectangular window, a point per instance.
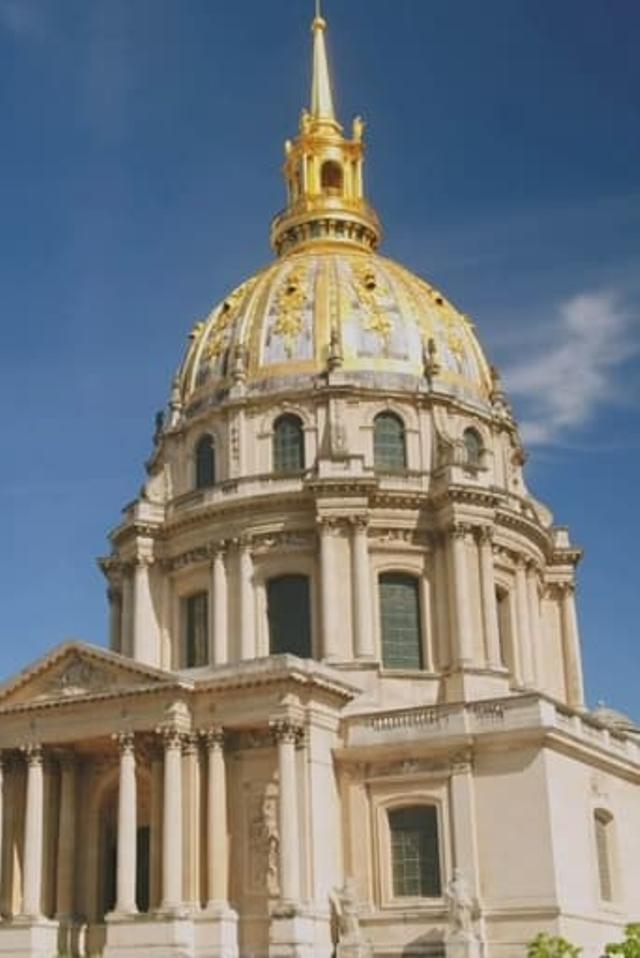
(400, 621)
(415, 855)
(196, 625)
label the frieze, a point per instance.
(409, 767)
(291, 541)
(397, 536)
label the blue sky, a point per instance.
(141, 149)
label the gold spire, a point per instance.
(323, 171)
(321, 95)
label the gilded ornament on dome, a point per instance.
(225, 316)
(290, 302)
(370, 291)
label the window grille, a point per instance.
(400, 621)
(196, 609)
(289, 614)
(415, 853)
(288, 445)
(389, 451)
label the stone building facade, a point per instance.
(342, 711)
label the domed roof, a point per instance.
(327, 306)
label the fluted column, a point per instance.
(33, 834)
(463, 646)
(287, 735)
(192, 821)
(219, 653)
(571, 646)
(524, 624)
(127, 827)
(67, 829)
(217, 828)
(489, 603)
(246, 615)
(172, 821)
(362, 590)
(329, 606)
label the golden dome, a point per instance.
(330, 303)
(324, 308)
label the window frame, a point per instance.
(433, 812)
(279, 576)
(290, 417)
(388, 796)
(477, 462)
(185, 599)
(602, 815)
(378, 466)
(424, 651)
(198, 444)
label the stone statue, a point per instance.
(358, 128)
(345, 902)
(460, 905)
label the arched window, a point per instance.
(205, 463)
(331, 177)
(473, 447)
(400, 621)
(603, 826)
(289, 614)
(415, 852)
(389, 450)
(288, 444)
(196, 630)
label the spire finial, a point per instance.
(321, 95)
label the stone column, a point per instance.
(67, 828)
(489, 603)
(192, 822)
(127, 828)
(463, 647)
(217, 828)
(571, 646)
(287, 735)
(329, 607)
(218, 632)
(144, 619)
(33, 835)
(246, 616)
(524, 625)
(172, 822)
(362, 590)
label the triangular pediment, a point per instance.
(75, 670)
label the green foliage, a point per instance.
(553, 946)
(630, 947)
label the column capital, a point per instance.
(359, 523)
(287, 731)
(213, 738)
(460, 530)
(172, 737)
(125, 742)
(190, 743)
(33, 752)
(327, 525)
(484, 535)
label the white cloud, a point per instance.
(561, 387)
(21, 19)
